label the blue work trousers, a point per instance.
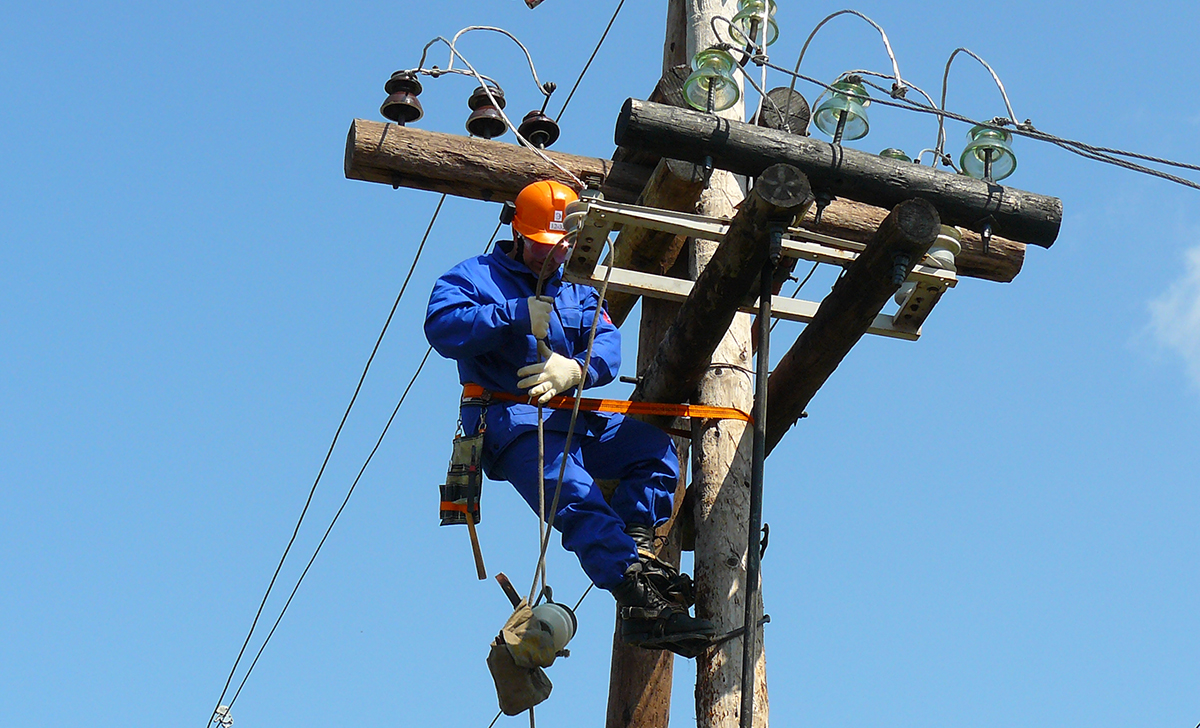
(607, 447)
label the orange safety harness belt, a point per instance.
(474, 391)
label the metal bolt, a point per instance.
(899, 269)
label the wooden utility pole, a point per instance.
(721, 456)
(639, 691)
(702, 351)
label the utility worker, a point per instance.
(515, 348)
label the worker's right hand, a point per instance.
(539, 315)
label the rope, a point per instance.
(324, 463)
(587, 360)
(540, 569)
(487, 89)
(588, 65)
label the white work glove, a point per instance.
(539, 315)
(555, 375)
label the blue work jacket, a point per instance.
(478, 316)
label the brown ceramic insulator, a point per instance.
(539, 129)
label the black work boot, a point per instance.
(667, 580)
(650, 620)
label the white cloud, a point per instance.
(1175, 316)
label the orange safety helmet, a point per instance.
(542, 211)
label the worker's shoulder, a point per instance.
(474, 268)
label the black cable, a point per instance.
(331, 525)
(588, 65)
(1099, 154)
(797, 291)
(324, 463)
(353, 485)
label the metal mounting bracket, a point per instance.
(603, 217)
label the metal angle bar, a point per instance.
(838, 255)
(677, 289)
(604, 216)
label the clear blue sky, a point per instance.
(994, 526)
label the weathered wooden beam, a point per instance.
(683, 356)
(747, 149)
(496, 171)
(902, 238)
(675, 186)
(468, 167)
(858, 221)
(639, 692)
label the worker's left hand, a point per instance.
(555, 375)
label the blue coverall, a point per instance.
(478, 316)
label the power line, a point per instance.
(325, 462)
(362, 470)
(1099, 154)
(588, 65)
(337, 515)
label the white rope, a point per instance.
(941, 142)
(487, 84)
(900, 84)
(562, 469)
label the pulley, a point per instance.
(485, 120)
(401, 105)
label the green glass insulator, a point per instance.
(854, 106)
(711, 81)
(985, 141)
(746, 25)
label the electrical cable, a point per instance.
(797, 291)
(946, 77)
(763, 97)
(1026, 129)
(898, 89)
(589, 588)
(325, 462)
(336, 516)
(588, 65)
(487, 90)
(453, 51)
(353, 485)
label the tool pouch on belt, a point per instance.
(464, 481)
